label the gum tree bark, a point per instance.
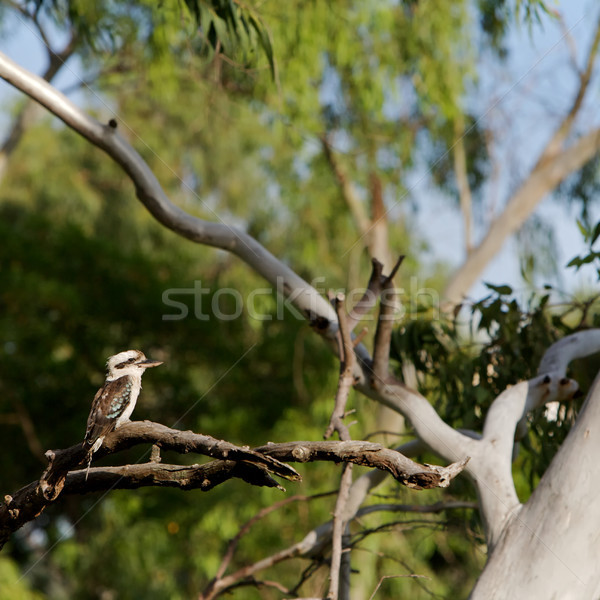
(549, 548)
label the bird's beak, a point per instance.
(150, 363)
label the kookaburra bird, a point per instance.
(115, 400)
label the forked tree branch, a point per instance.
(346, 376)
(385, 324)
(554, 164)
(253, 466)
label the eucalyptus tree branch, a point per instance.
(148, 189)
(346, 377)
(254, 466)
(516, 402)
(555, 524)
(377, 282)
(491, 456)
(462, 182)
(61, 475)
(554, 164)
(506, 420)
(544, 178)
(336, 423)
(385, 324)
(367, 454)
(577, 345)
(336, 572)
(585, 76)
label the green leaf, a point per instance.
(503, 290)
(264, 40)
(583, 229)
(596, 233)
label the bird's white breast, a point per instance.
(136, 386)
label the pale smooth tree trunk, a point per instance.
(551, 548)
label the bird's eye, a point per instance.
(125, 363)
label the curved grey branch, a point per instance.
(148, 189)
(577, 345)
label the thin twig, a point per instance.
(385, 325)
(245, 528)
(412, 575)
(346, 378)
(337, 533)
(369, 298)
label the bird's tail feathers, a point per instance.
(90, 452)
(87, 471)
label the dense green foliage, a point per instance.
(227, 103)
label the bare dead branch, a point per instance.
(339, 526)
(253, 466)
(369, 298)
(346, 378)
(233, 544)
(147, 432)
(60, 476)
(26, 504)
(367, 454)
(385, 325)
(436, 507)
